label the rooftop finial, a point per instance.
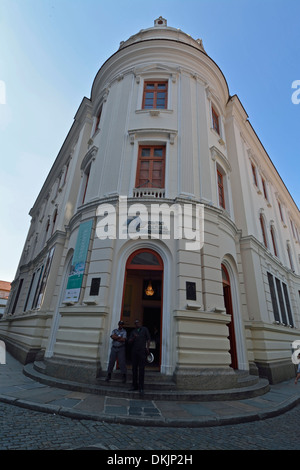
(160, 21)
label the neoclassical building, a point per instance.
(162, 205)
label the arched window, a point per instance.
(273, 237)
(98, 118)
(85, 182)
(289, 253)
(145, 259)
(54, 220)
(221, 188)
(263, 229)
(215, 120)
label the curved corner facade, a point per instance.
(163, 187)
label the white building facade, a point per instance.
(161, 133)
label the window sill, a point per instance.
(154, 112)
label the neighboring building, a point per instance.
(160, 127)
(4, 293)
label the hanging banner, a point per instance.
(78, 262)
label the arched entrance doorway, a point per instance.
(143, 297)
(229, 311)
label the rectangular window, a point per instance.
(98, 117)
(29, 292)
(290, 257)
(254, 174)
(215, 120)
(151, 167)
(17, 296)
(155, 95)
(263, 230)
(287, 303)
(292, 227)
(273, 240)
(280, 301)
(280, 211)
(264, 188)
(221, 189)
(86, 178)
(273, 297)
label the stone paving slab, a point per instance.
(17, 389)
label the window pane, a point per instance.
(157, 175)
(273, 297)
(281, 303)
(158, 152)
(145, 152)
(155, 95)
(288, 305)
(145, 259)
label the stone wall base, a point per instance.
(23, 353)
(212, 379)
(276, 372)
(70, 369)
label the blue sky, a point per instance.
(51, 50)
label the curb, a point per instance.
(169, 422)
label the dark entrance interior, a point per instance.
(152, 321)
(229, 311)
(142, 299)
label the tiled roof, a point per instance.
(4, 285)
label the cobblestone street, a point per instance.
(23, 429)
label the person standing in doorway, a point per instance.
(119, 336)
(140, 340)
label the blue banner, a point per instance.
(78, 262)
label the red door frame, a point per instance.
(229, 311)
(146, 267)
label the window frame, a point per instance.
(280, 300)
(263, 229)
(264, 187)
(221, 189)
(273, 238)
(280, 208)
(151, 159)
(98, 118)
(215, 120)
(86, 177)
(155, 92)
(254, 174)
(290, 256)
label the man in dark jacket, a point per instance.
(140, 340)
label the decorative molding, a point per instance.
(90, 155)
(156, 70)
(216, 154)
(152, 134)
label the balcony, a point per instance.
(155, 193)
